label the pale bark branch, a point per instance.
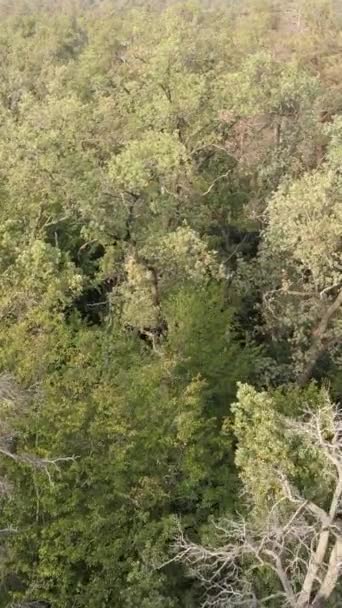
(299, 540)
(319, 334)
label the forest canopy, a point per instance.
(170, 304)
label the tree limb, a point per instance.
(318, 348)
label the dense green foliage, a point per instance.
(170, 227)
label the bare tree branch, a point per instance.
(317, 346)
(299, 540)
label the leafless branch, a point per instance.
(318, 335)
(218, 178)
(299, 540)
